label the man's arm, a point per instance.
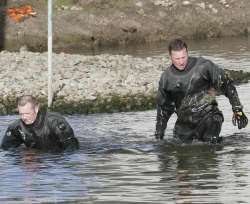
(239, 118)
(64, 132)
(165, 108)
(11, 138)
(223, 82)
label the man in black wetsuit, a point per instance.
(39, 129)
(188, 87)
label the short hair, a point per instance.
(23, 100)
(176, 45)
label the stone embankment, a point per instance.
(84, 84)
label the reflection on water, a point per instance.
(120, 162)
(218, 46)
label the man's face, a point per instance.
(28, 113)
(179, 58)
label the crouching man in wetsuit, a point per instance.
(188, 88)
(39, 129)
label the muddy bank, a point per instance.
(85, 84)
(98, 23)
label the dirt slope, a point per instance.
(95, 23)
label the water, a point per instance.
(120, 162)
(231, 53)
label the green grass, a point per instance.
(64, 2)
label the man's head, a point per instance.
(178, 53)
(28, 108)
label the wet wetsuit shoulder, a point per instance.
(219, 79)
(55, 119)
(62, 130)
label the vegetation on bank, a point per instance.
(111, 104)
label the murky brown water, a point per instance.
(120, 162)
(230, 52)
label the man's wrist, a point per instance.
(237, 108)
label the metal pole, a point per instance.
(50, 92)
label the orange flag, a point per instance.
(18, 14)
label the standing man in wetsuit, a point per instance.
(39, 129)
(188, 88)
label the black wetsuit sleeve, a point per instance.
(165, 108)
(64, 132)
(222, 82)
(12, 138)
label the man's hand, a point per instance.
(239, 118)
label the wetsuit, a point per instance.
(190, 93)
(50, 131)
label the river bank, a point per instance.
(85, 84)
(99, 23)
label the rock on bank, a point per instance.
(84, 84)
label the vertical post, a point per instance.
(3, 4)
(50, 92)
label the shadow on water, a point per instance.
(196, 156)
(168, 149)
(163, 149)
(3, 4)
(193, 172)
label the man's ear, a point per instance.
(36, 108)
